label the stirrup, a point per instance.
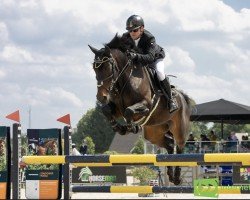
(172, 106)
(134, 129)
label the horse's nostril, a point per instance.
(102, 99)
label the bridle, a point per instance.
(98, 63)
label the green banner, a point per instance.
(206, 187)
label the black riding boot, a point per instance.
(167, 89)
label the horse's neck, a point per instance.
(134, 77)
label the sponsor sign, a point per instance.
(113, 174)
(4, 162)
(43, 181)
(241, 175)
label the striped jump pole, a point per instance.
(131, 189)
(156, 189)
(241, 159)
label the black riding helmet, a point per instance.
(134, 22)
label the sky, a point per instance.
(46, 65)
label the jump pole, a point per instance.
(154, 189)
(240, 159)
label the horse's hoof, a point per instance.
(177, 181)
(171, 179)
(136, 129)
(122, 130)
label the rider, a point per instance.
(144, 50)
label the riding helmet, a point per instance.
(134, 22)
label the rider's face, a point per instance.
(135, 34)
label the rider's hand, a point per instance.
(132, 55)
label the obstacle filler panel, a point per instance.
(5, 162)
(241, 159)
(44, 181)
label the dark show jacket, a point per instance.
(147, 49)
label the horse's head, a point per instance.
(104, 66)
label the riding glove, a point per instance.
(133, 56)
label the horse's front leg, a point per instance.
(109, 111)
(136, 109)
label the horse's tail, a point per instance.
(187, 99)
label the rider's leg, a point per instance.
(159, 65)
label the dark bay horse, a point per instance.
(125, 91)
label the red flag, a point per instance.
(14, 116)
(65, 119)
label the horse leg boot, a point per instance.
(109, 110)
(167, 90)
(170, 172)
(169, 139)
(177, 171)
(137, 108)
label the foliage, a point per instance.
(139, 147)
(95, 125)
(144, 174)
(90, 144)
(3, 163)
(197, 128)
(110, 153)
(228, 128)
(24, 145)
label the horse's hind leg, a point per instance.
(170, 149)
(177, 171)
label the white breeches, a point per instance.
(159, 67)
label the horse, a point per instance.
(51, 147)
(125, 91)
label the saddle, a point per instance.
(155, 82)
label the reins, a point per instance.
(99, 62)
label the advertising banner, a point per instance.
(113, 174)
(44, 181)
(5, 162)
(241, 175)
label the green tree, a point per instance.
(144, 174)
(197, 128)
(139, 147)
(228, 128)
(90, 144)
(110, 153)
(95, 125)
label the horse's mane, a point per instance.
(118, 43)
(187, 99)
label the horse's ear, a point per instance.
(94, 50)
(107, 50)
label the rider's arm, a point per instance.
(148, 57)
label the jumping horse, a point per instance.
(124, 90)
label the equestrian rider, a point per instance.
(144, 50)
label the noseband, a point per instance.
(99, 62)
(115, 75)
